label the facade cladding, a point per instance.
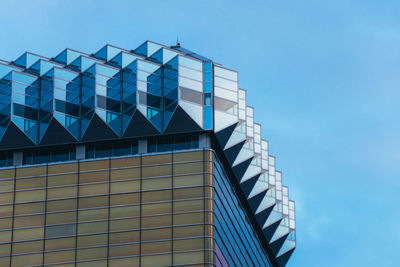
(145, 157)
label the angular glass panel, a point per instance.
(163, 55)
(41, 67)
(67, 56)
(82, 63)
(107, 52)
(27, 59)
(147, 48)
(123, 59)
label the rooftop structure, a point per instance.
(77, 107)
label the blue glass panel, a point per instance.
(107, 52)
(82, 63)
(147, 48)
(68, 56)
(163, 55)
(27, 59)
(208, 118)
(41, 67)
(123, 59)
(5, 69)
(235, 237)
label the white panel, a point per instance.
(223, 120)
(191, 84)
(273, 217)
(265, 203)
(194, 111)
(281, 231)
(259, 187)
(235, 138)
(250, 172)
(243, 155)
(228, 74)
(225, 94)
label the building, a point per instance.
(145, 157)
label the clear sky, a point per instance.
(323, 77)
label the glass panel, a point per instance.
(60, 230)
(126, 211)
(29, 208)
(28, 221)
(156, 221)
(188, 180)
(126, 250)
(6, 198)
(125, 199)
(6, 210)
(60, 180)
(30, 183)
(124, 262)
(186, 193)
(4, 251)
(190, 218)
(156, 234)
(33, 259)
(124, 187)
(64, 192)
(61, 205)
(91, 215)
(157, 159)
(92, 253)
(93, 177)
(27, 247)
(92, 240)
(124, 237)
(156, 247)
(35, 195)
(93, 189)
(27, 234)
(188, 168)
(162, 195)
(92, 228)
(188, 244)
(225, 73)
(156, 183)
(5, 236)
(61, 256)
(158, 208)
(124, 224)
(155, 260)
(191, 96)
(125, 162)
(5, 223)
(162, 170)
(31, 171)
(125, 174)
(96, 263)
(93, 202)
(59, 218)
(62, 168)
(60, 243)
(94, 165)
(187, 258)
(188, 205)
(7, 173)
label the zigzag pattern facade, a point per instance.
(162, 89)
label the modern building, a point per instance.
(144, 157)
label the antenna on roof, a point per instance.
(178, 44)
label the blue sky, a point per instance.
(323, 77)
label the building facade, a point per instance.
(144, 157)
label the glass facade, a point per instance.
(78, 109)
(151, 210)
